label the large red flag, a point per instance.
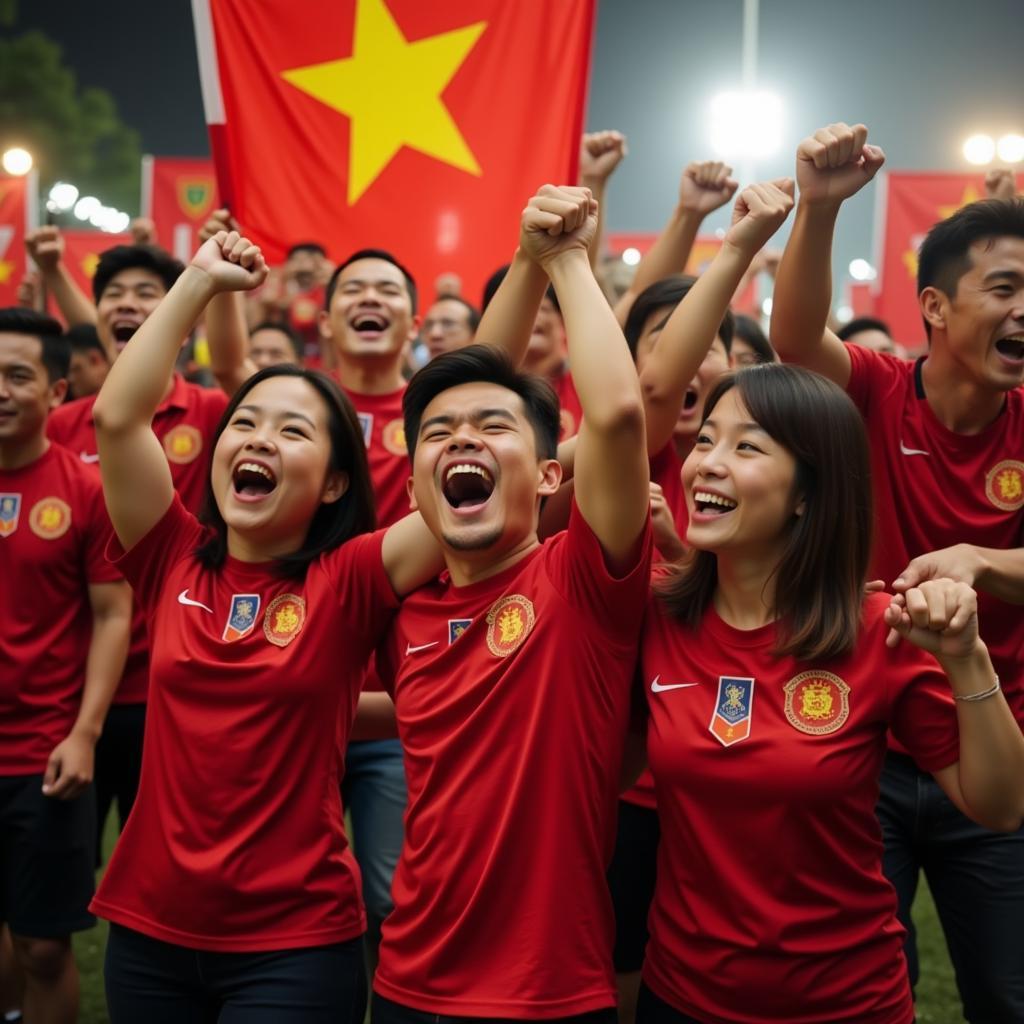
(422, 128)
(178, 195)
(82, 251)
(910, 203)
(17, 209)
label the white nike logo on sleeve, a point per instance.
(183, 598)
(911, 451)
(657, 687)
(86, 457)
(409, 649)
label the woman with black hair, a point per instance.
(231, 894)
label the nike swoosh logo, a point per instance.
(657, 687)
(409, 649)
(86, 457)
(912, 451)
(183, 598)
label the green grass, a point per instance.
(937, 999)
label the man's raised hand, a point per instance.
(46, 247)
(705, 186)
(600, 154)
(1000, 183)
(558, 220)
(835, 163)
(758, 213)
(231, 262)
(219, 220)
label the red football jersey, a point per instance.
(53, 529)
(770, 902)
(935, 488)
(571, 410)
(185, 423)
(513, 698)
(236, 841)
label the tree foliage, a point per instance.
(75, 135)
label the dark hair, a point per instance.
(669, 291)
(493, 283)
(370, 254)
(83, 338)
(945, 254)
(862, 323)
(56, 352)
(488, 365)
(749, 330)
(820, 575)
(135, 257)
(297, 344)
(472, 313)
(332, 524)
(314, 247)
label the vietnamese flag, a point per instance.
(418, 128)
(18, 203)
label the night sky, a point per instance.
(922, 74)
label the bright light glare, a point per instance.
(1011, 148)
(766, 306)
(120, 223)
(631, 257)
(17, 161)
(86, 207)
(844, 314)
(861, 270)
(979, 149)
(746, 124)
(63, 196)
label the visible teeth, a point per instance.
(253, 467)
(463, 467)
(713, 499)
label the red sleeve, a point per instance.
(98, 535)
(577, 570)
(147, 564)
(873, 375)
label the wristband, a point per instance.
(970, 697)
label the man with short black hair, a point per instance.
(450, 324)
(89, 361)
(871, 333)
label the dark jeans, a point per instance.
(154, 982)
(383, 1011)
(118, 763)
(977, 880)
(650, 1009)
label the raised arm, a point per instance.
(507, 322)
(997, 571)
(704, 187)
(46, 247)
(136, 478)
(831, 165)
(611, 472)
(600, 154)
(684, 342)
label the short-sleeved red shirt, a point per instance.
(512, 697)
(236, 841)
(770, 902)
(935, 488)
(185, 423)
(53, 530)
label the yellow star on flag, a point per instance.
(89, 265)
(390, 89)
(6, 269)
(970, 196)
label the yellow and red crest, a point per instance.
(817, 703)
(50, 518)
(195, 196)
(182, 444)
(393, 438)
(509, 623)
(1004, 485)
(284, 619)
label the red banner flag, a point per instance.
(178, 195)
(910, 203)
(82, 252)
(419, 128)
(17, 209)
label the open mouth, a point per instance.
(690, 400)
(123, 332)
(251, 480)
(467, 486)
(1011, 348)
(369, 325)
(712, 504)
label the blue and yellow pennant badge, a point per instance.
(242, 617)
(456, 627)
(734, 707)
(10, 506)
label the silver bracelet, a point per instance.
(990, 692)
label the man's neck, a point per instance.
(959, 403)
(18, 454)
(467, 567)
(370, 376)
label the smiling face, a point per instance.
(446, 327)
(370, 315)
(477, 478)
(739, 484)
(128, 299)
(26, 392)
(981, 328)
(271, 467)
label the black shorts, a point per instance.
(650, 1009)
(631, 881)
(384, 1011)
(47, 850)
